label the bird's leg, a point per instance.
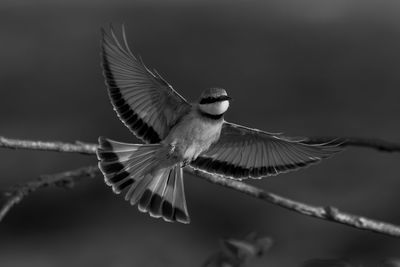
(171, 150)
(184, 163)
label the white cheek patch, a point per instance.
(223, 106)
(217, 108)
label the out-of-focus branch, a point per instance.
(324, 213)
(236, 252)
(63, 179)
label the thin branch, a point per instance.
(324, 213)
(78, 147)
(88, 148)
(64, 179)
(374, 143)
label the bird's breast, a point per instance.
(193, 135)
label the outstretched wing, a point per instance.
(143, 100)
(242, 153)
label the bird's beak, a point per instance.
(225, 97)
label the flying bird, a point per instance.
(177, 133)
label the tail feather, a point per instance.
(135, 192)
(179, 201)
(165, 196)
(134, 167)
(118, 175)
(168, 196)
(156, 199)
(151, 200)
(139, 193)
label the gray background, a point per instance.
(310, 68)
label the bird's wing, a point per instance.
(242, 153)
(143, 100)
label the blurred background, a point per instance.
(305, 68)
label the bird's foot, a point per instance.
(170, 151)
(185, 163)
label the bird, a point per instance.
(177, 133)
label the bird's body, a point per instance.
(178, 133)
(194, 134)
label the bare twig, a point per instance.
(64, 179)
(324, 213)
(88, 148)
(78, 147)
(374, 143)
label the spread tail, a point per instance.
(133, 168)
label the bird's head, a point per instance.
(214, 101)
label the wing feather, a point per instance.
(144, 101)
(243, 152)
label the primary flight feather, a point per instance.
(178, 133)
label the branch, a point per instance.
(88, 149)
(324, 213)
(374, 143)
(78, 147)
(237, 252)
(64, 179)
